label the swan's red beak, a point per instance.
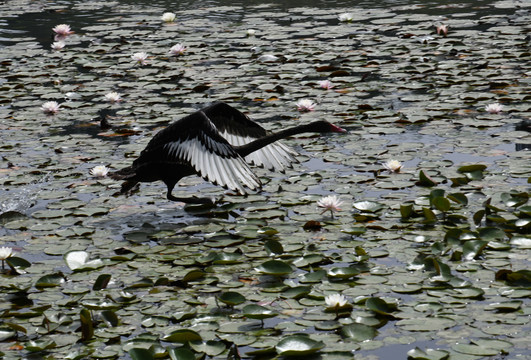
(335, 128)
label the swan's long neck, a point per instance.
(251, 147)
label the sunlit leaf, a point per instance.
(298, 345)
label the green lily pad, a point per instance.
(368, 206)
(342, 272)
(298, 345)
(231, 298)
(358, 332)
(428, 354)
(254, 311)
(210, 347)
(379, 306)
(181, 353)
(182, 336)
(274, 267)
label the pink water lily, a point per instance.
(62, 30)
(177, 49)
(50, 107)
(495, 108)
(140, 57)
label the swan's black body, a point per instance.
(213, 143)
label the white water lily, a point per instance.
(393, 165)
(495, 108)
(268, 58)
(334, 301)
(345, 17)
(50, 107)
(329, 203)
(62, 30)
(58, 45)
(305, 105)
(140, 58)
(99, 171)
(177, 49)
(113, 97)
(326, 84)
(168, 17)
(5, 252)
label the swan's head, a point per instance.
(324, 126)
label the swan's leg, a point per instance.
(188, 200)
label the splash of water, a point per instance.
(23, 198)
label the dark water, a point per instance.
(37, 21)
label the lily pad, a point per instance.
(298, 345)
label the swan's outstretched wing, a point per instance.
(194, 141)
(239, 130)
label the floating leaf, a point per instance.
(368, 206)
(471, 168)
(51, 280)
(342, 272)
(425, 180)
(473, 248)
(358, 332)
(79, 261)
(379, 306)
(296, 292)
(210, 347)
(428, 354)
(231, 298)
(17, 263)
(101, 282)
(253, 311)
(40, 345)
(472, 349)
(182, 336)
(181, 354)
(298, 345)
(141, 354)
(274, 267)
(273, 247)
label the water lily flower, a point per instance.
(5, 252)
(326, 84)
(268, 58)
(334, 301)
(140, 58)
(345, 17)
(329, 203)
(251, 32)
(71, 95)
(393, 165)
(168, 17)
(62, 30)
(50, 107)
(495, 108)
(177, 49)
(99, 171)
(58, 45)
(442, 30)
(113, 97)
(305, 105)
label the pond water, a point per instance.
(433, 258)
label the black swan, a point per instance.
(213, 143)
